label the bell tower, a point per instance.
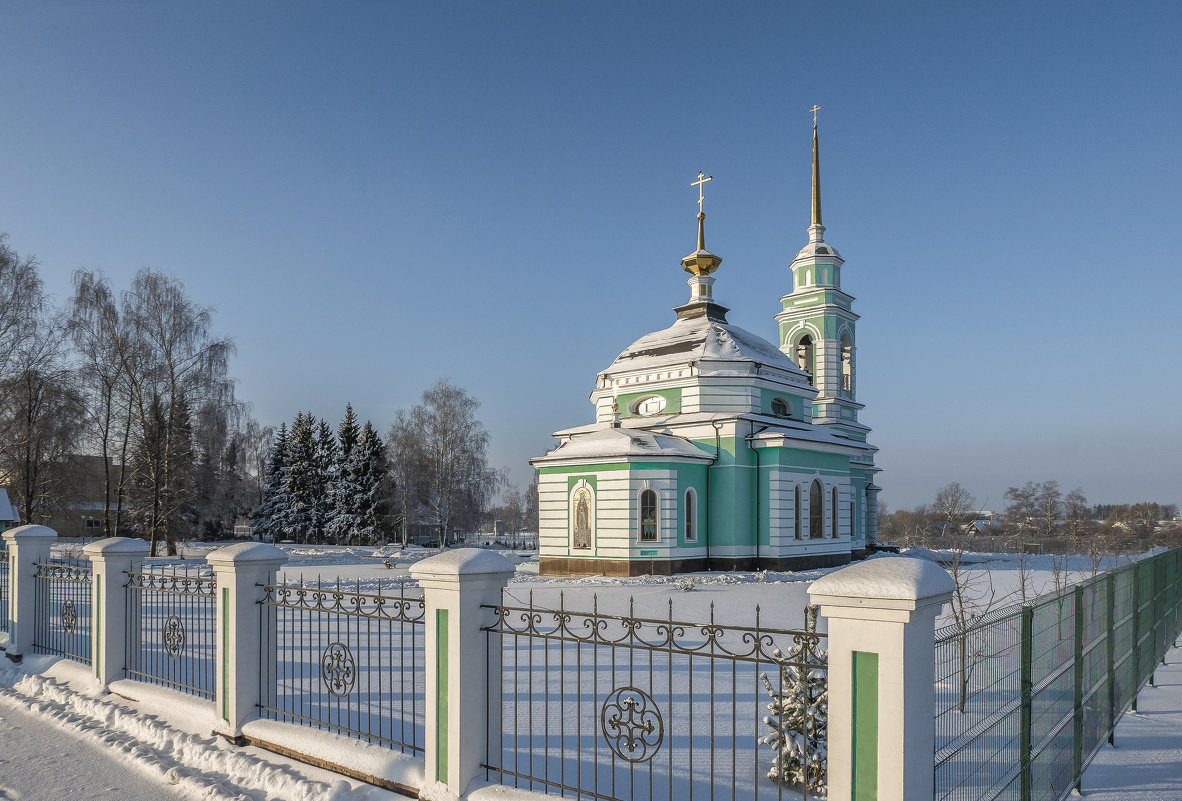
(817, 323)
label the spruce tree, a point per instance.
(326, 459)
(299, 522)
(372, 470)
(344, 488)
(268, 515)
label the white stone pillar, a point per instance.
(110, 560)
(881, 618)
(241, 570)
(27, 545)
(455, 585)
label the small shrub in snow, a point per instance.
(685, 584)
(799, 715)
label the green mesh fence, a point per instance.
(1026, 695)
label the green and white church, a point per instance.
(714, 449)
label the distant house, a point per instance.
(9, 516)
(83, 512)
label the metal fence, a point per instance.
(602, 706)
(171, 627)
(62, 619)
(1027, 695)
(3, 589)
(345, 660)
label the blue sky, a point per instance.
(375, 195)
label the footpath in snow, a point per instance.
(1146, 764)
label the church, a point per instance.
(715, 449)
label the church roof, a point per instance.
(624, 443)
(701, 338)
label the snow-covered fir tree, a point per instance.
(302, 484)
(344, 489)
(799, 717)
(275, 500)
(372, 471)
(327, 455)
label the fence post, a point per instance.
(881, 615)
(27, 545)
(1027, 689)
(1152, 618)
(1078, 680)
(456, 584)
(110, 559)
(1110, 651)
(1135, 597)
(240, 571)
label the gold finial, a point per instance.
(816, 170)
(702, 179)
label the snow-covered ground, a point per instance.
(146, 752)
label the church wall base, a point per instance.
(565, 566)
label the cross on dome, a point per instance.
(702, 179)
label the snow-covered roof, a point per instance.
(818, 248)
(698, 339)
(624, 443)
(8, 512)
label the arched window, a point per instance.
(691, 511)
(781, 408)
(804, 355)
(797, 508)
(833, 515)
(816, 511)
(853, 527)
(847, 365)
(648, 516)
(582, 506)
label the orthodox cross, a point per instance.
(702, 179)
(815, 109)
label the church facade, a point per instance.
(715, 449)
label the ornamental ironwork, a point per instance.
(338, 669)
(632, 724)
(174, 637)
(69, 617)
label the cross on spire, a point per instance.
(702, 179)
(814, 110)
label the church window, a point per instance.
(816, 511)
(833, 514)
(691, 529)
(797, 510)
(781, 408)
(582, 517)
(648, 516)
(653, 404)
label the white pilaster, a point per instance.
(241, 570)
(27, 545)
(110, 560)
(455, 586)
(883, 610)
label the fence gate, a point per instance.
(619, 706)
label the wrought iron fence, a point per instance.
(1027, 695)
(171, 624)
(62, 619)
(605, 706)
(3, 588)
(348, 661)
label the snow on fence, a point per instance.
(626, 707)
(345, 660)
(1027, 696)
(62, 602)
(171, 614)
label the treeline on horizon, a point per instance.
(1036, 516)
